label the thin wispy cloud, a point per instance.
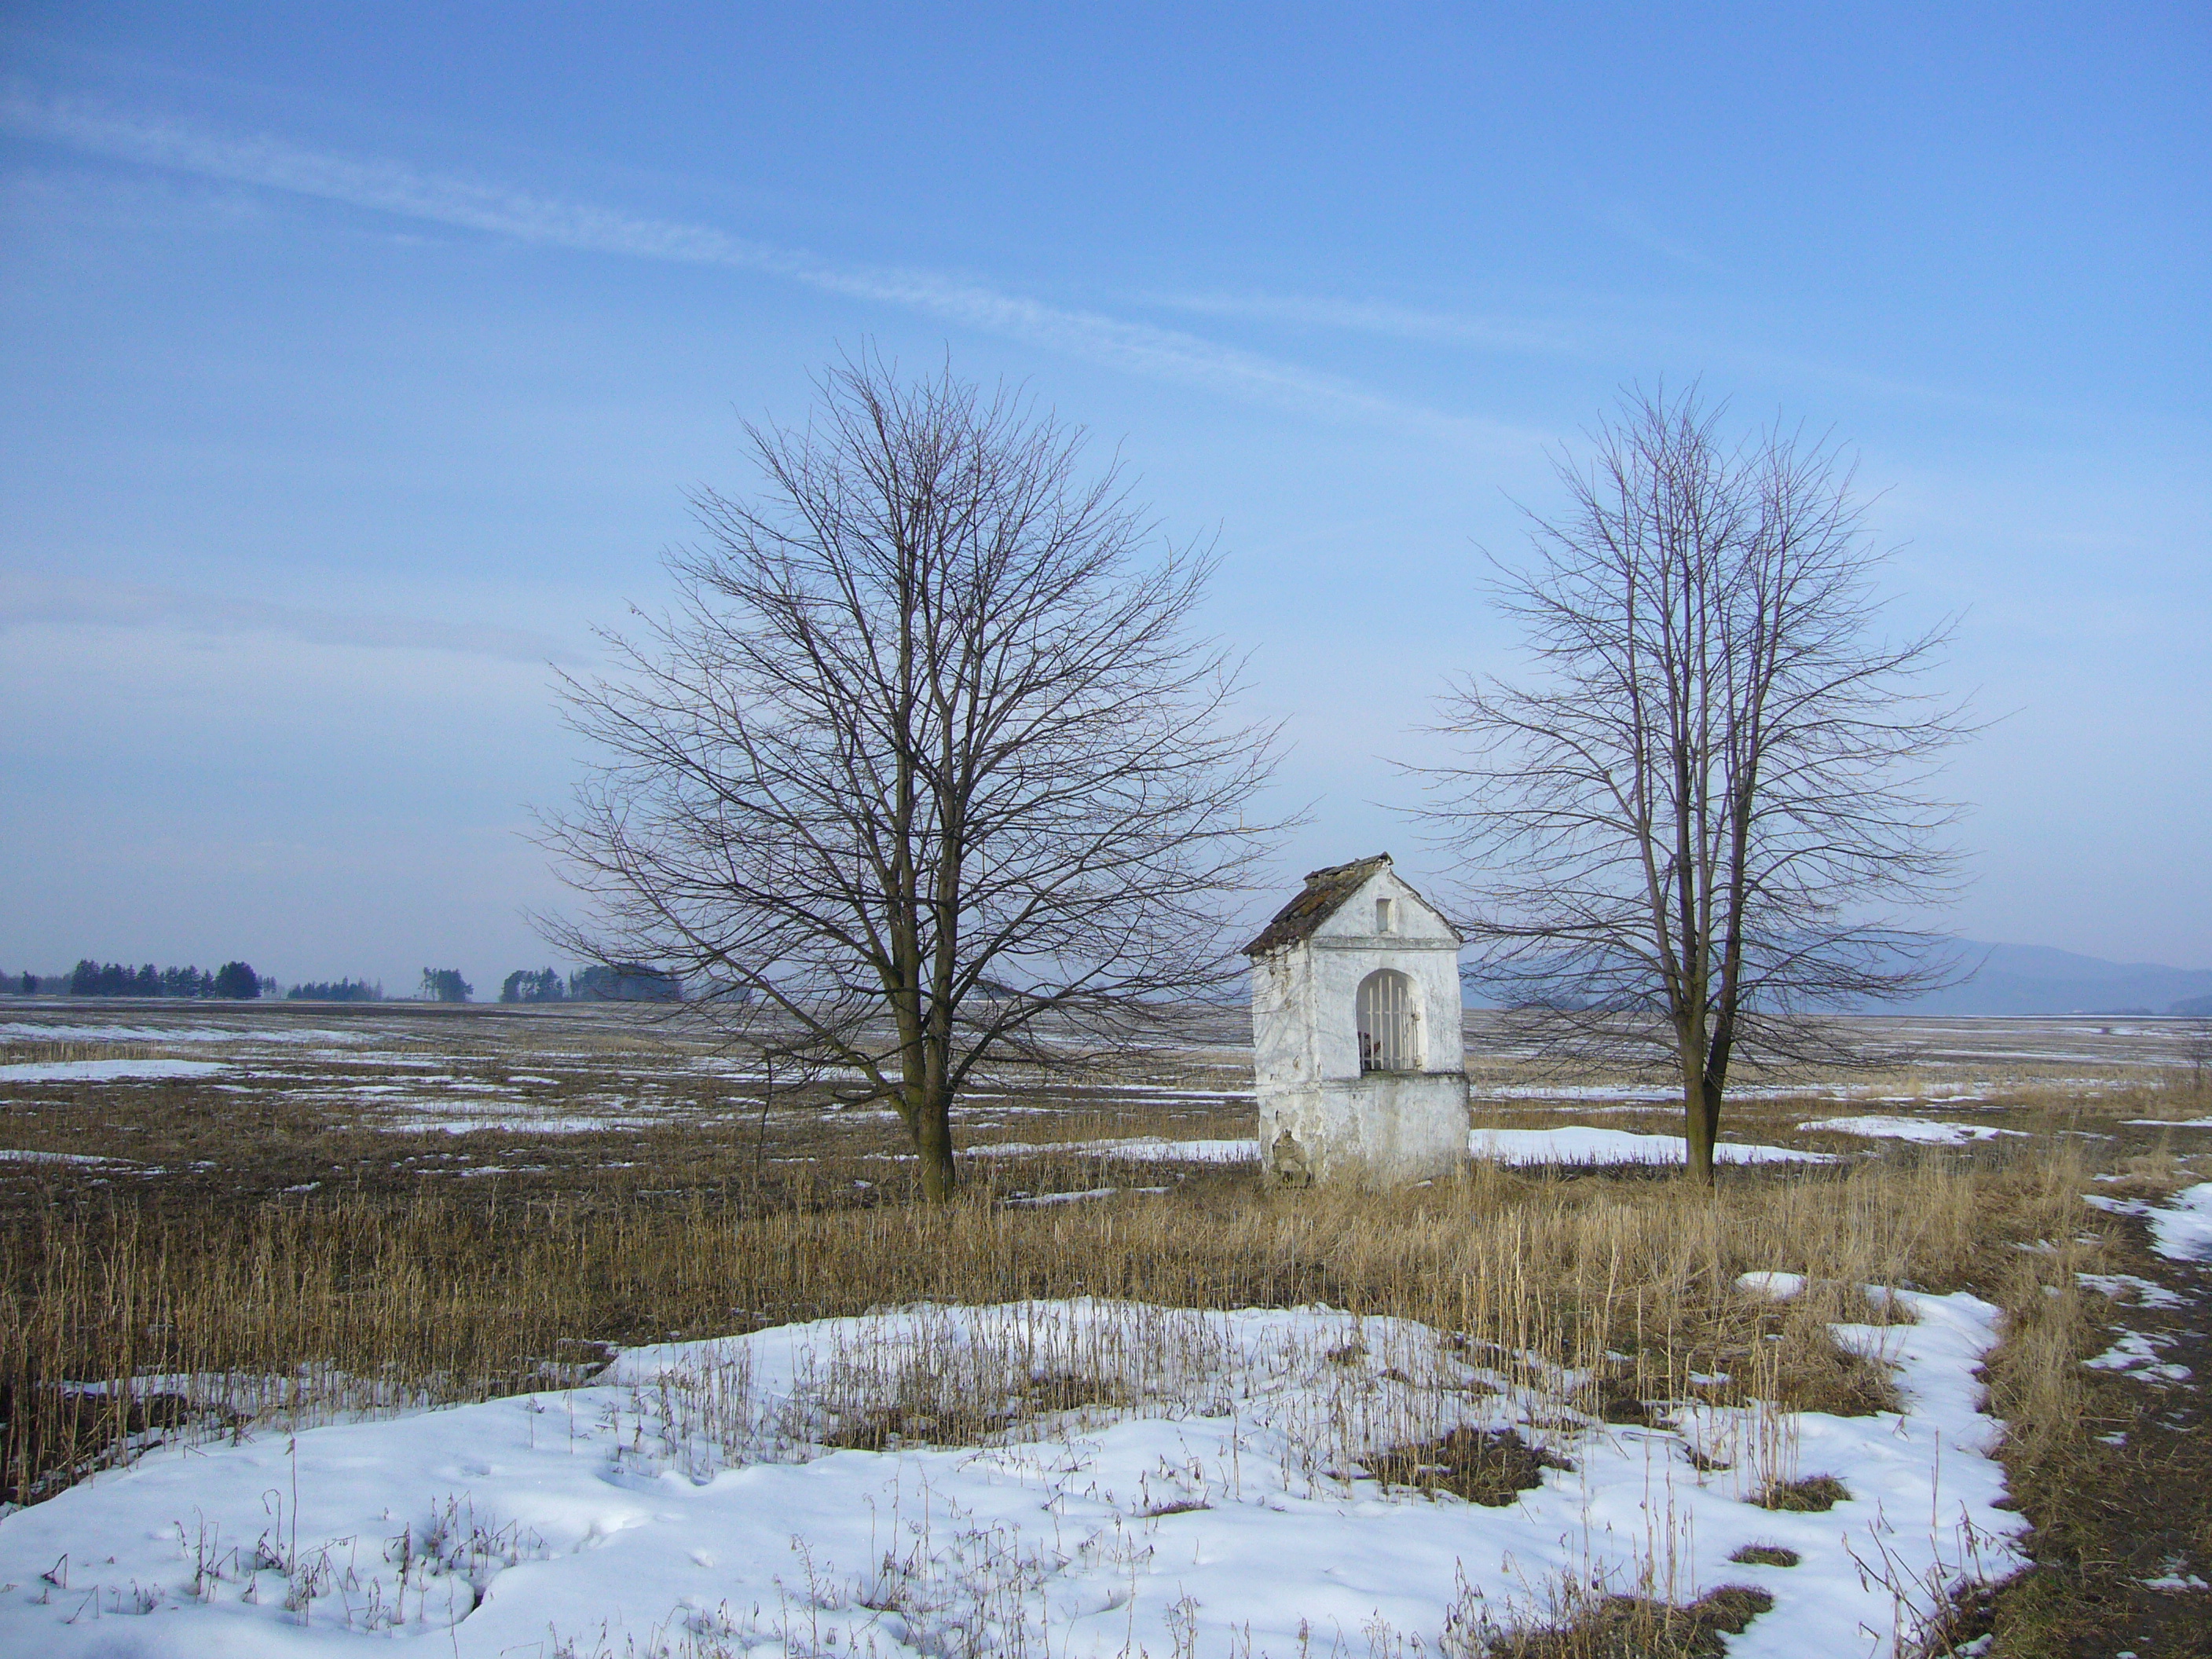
(1594, 342)
(1131, 346)
(28, 600)
(1382, 318)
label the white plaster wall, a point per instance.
(1387, 1127)
(1283, 1018)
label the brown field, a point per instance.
(338, 1209)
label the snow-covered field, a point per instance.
(1186, 1481)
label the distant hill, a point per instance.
(2034, 979)
(2031, 980)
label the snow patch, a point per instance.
(107, 1071)
(1775, 1286)
(1140, 1150)
(2137, 1355)
(2122, 1287)
(1216, 1496)
(33, 1031)
(1908, 1128)
(2182, 1231)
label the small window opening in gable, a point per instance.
(1385, 916)
(1390, 1025)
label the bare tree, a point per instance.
(927, 769)
(1683, 834)
(2197, 1050)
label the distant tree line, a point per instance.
(446, 985)
(525, 986)
(625, 982)
(235, 980)
(337, 990)
(621, 981)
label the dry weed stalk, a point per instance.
(118, 1326)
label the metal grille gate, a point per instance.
(1386, 1023)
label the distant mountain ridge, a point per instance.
(2035, 979)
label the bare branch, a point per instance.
(1710, 817)
(926, 769)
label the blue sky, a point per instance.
(359, 359)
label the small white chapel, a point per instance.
(1356, 1033)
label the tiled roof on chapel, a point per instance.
(1326, 890)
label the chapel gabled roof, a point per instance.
(1326, 890)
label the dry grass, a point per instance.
(200, 1277)
(1639, 1627)
(2115, 1475)
(1766, 1555)
(1814, 1494)
(20, 1052)
(1480, 1465)
(328, 1305)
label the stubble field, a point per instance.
(236, 1220)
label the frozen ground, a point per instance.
(1213, 1497)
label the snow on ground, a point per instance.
(1031, 1200)
(2182, 1231)
(2173, 1578)
(1577, 1144)
(1667, 1094)
(2124, 1287)
(1149, 1149)
(1572, 1145)
(1774, 1286)
(1571, 1091)
(32, 1031)
(2137, 1354)
(1909, 1128)
(12, 1157)
(506, 1122)
(2170, 1122)
(1211, 1500)
(2116, 1205)
(106, 1071)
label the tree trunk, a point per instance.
(1709, 1111)
(1701, 1112)
(933, 1144)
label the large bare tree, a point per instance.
(1707, 817)
(927, 769)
